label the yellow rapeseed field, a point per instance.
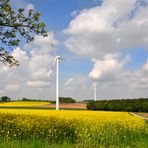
(23, 103)
(96, 127)
(89, 117)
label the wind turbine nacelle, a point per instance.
(60, 58)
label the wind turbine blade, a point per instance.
(52, 66)
(71, 59)
(63, 59)
(52, 44)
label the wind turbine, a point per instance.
(58, 58)
(95, 90)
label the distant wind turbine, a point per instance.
(95, 90)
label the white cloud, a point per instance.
(40, 67)
(34, 71)
(38, 83)
(77, 87)
(108, 28)
(42, 45)
(74, 13)
(12, 87)
(69, 81)
(108, 67)
(20, 55)
(100, 34)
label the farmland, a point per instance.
(22, 104)
(75, 127)
(144, 115)
(41, 105)
(67, 105)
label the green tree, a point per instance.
(14, 25)
(25, 99)
(5, 99)
(66, 100)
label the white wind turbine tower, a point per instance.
(56, 60)
(95, 90)
(57, 81)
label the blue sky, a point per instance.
(95, 49)
(139, 57)
(57, 16)
(56, 13)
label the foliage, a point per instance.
(86, 101)
(5, 99)
(23, 144)
(77, 127)
(35, 100)
(140, 143)
(25, 99)
(134, 105)
(66, 100)
(32, 144)
(13, 26)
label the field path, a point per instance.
(68, 105)
(141, 115)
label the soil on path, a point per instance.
(141, 115)
(68, 105)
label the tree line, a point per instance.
(134, 105)
(5, 99)
(61, 100)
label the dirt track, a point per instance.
(145, 115)
(141, 115)
(69, 105)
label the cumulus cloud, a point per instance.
(34, 71)
(69, 81)
(12, 87)
(109, 28)
(102, 33)
(108, 67)
(20, 55)
(77, 87)
(113, 80)
(38, 83)
(74, 13)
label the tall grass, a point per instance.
(40, 144)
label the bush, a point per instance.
(5, 99)
(86, 101)
(135, 105)
(67, 100)
(25, 99)
(35, 100)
